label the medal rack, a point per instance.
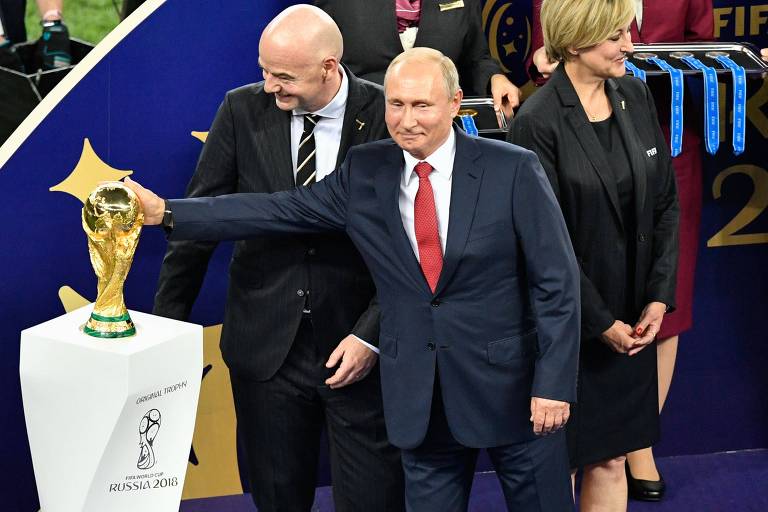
(485, 118)
(745, 55)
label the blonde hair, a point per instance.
(429, 55)
(581, 23)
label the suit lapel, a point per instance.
(279, 148)
(387, 179)
(632, 142)
(465, 187)
(587, 138)
(356, 125)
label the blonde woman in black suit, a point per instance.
(598, 139)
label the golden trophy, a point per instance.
(112, 219)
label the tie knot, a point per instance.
(310, 120)
(423, 169)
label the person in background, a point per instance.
(301, 322)
(53, 47)
(667, 21)
(375, 31)
(597, 135)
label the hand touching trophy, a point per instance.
(112, 219)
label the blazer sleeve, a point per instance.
(662, 277)
(527, 132)
(477, 56)
(537, 41)
(303, 210)
(367, 326)
(186, 262)
(553, 280)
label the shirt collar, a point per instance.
(334, 109)
(441, 160)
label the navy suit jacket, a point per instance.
(503, 322)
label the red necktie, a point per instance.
(425, 225)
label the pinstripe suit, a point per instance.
(276, 354)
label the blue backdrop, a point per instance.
(138, 107)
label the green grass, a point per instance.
(89, 20)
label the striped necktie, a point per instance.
(305, 163)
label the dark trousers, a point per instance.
(534, 475)
(281, 419)
(12, 14)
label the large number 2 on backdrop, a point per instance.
(754, 207)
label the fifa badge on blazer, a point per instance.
(651, 152)
(447, 6)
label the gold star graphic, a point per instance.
(89, 172)
(510, 48)
(201, 136)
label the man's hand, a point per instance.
(548, 415)
(648, 326)
(764, 53)
(152, 204)
(543, 64)
(506, 96)
(356, 361)
(620, 338)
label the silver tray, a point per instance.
(744, 54)
(486, 119)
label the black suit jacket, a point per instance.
(554, 125)
(249, 150)
(371, 40)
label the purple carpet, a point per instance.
(718, 482)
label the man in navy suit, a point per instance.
(476, 279)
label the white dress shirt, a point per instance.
(440, 179)
(327, 140)
(327, 131)
(639, 13)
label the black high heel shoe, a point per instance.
(645, 490)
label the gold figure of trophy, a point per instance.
(112, 219)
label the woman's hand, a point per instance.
(619, 337)
(648, 326)
(545, 66)
(506, 95)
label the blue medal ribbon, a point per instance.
(469, 124)
(636, 71)
(739, 102)
(711, 103)
(676, 117)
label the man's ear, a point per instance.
(456, 102)
(330, 66)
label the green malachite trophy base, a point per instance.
(110, 327)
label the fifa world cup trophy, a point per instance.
(112, 219)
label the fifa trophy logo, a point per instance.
(148, 428)
(112, 219)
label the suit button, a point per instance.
(642, 237)
(430, 346)
(300, 293)
(312, 251)
(435, 303)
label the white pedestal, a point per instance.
(110, 422)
